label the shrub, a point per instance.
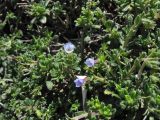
(113, 58)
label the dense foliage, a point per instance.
(37, 75)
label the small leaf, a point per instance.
(102, 58)
(2, 25)
(96, 26)
(39, 113)
(107, 92)
(33, 20)
(127, 8)
(43, 20)
(154, 78)
(149, 24)
(151, 118)
(129, 99)
(138, 19)
(87, 39)
(49, 85)
(1, 69)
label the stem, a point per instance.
(84, 91)
(141, 70)
(84, 94)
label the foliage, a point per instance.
(37, 75)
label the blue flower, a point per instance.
(90, 62)
(80, 80)
(69, 47)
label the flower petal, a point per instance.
(79, 82)
(69, 47)
(90, 62)
(81, 77)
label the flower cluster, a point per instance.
(90, 62)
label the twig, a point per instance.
(141, 69)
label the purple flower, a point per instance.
(80, 80)
(69, 47)
(90, 62)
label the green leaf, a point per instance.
(39, 113)
(107, 92)
(129, 99)
(138, 19)
(154, 78)
(49, 85)
(153, 64)
(149, 24)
